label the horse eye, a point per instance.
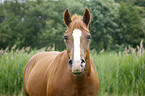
(88, 37)
(66, 38)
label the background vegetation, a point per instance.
(117, 28)
(120, 74)
(39, 23)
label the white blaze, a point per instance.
(76, 36)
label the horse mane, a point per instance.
(77, 23)
(75, 17)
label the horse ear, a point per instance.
(87, 17)
(67, 17)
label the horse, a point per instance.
(67, 73)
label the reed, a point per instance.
(120, 74)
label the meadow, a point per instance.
(120, 73)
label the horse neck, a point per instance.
(88, 64)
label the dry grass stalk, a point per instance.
(53, 48)
(13, 48)
(27, 48)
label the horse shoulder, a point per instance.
(59, 80)
(34, 74)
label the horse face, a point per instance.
(77, 39)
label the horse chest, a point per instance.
(73, 92)
(71, 89)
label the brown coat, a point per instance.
(48, 74)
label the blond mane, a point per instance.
(77, 23)
(75, 16)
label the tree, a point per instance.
(30, 24)
(11, 16)
(131, 26)
(140, 3)
(103, 25)
(54, 29)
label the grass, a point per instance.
(120, 74)
(12, 66)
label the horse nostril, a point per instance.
(82, 66)
(82, 61)
(70, 62)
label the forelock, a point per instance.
(75, 17)
(77, 23)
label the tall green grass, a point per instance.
(120, 74)
(12, 65)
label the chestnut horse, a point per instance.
(68, 73)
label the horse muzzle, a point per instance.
(77, 66)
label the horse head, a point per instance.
(77, 38)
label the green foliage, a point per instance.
(103, 22)
(40, 23)
(140, 3)
(11, 14)
(141, 10)
(30, 24)
(54, 29)
(126, 1)
(129, 21)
